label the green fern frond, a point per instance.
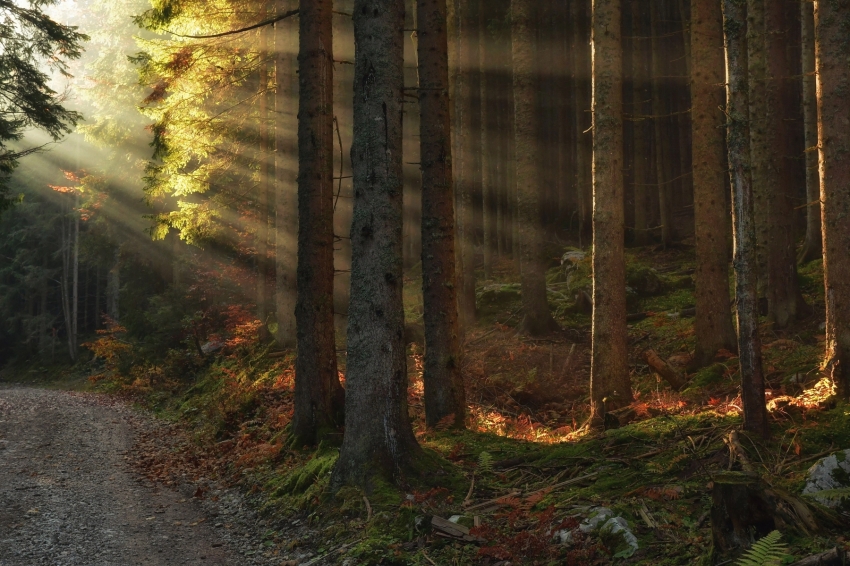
(485, 462)
(831, 496)
(768, 551)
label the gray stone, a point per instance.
(826, 477)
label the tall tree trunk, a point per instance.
(642, 108)
(286, 171)
(319, 397)
(488, 138)
(579, 10)
(814, 239)
(262, 234)
(445, 397)
(832, 51)
(610, 387)
(75, 298)
(537, 319)
(113, 288)
(714, 329)
(737, 142)
(783, 296)
(663, 158)
(759, 149)
(378, 434)
(469, 155)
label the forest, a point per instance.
(444, 281)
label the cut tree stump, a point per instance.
(662, 368)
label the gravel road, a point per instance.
(67, 496)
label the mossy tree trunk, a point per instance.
(832, 52)
(286, 171)
(537, 319)
(444, 391)
(318, 393)
(746, 265)
(813, 245)
(378, 438)
(714, 329)
(783, 293)
(610, 387)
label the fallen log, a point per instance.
(834, 557)
(662, 368)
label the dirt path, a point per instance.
(67, 496)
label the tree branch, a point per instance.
(270, 21)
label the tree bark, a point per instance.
(783, 293)
(579, 9)
(470, 134)
(832, 51)
(610, 387)
(488, 138)
(537, 319)
(262, 234)
(663, 159)
(378, 434)
(318, 393)
(444, 390)
(714, 329)
(813, 245)
(642, 108)
(746, 265)
(756, 69)
(113, 288)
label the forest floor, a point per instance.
(527, 479)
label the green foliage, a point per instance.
(767, 551)
(485, 462)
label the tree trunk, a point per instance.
(378, 434)
(642, 108)
(318, 393)
(746, 265)
(814, 239)
(783, 293)
(714, 329)
(75, 298)
(444, 390)
(488, 139)
(286, 170)
(113, 288)
(537, 319)
(832, 51)
(584, 144)
(610, 387)
(663, 159)
(756, 69)
(262, 234)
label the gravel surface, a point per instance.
(68, 497)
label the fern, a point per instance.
(485, 462)
(768, 551)
(831, 497)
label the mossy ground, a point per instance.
(525, 434)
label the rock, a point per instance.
(826, 477)
(613, 531)
(573, 256)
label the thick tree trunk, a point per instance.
(470, 148)
(579, 10)
(641, 109)
(814, 239)
(783, 293)
(663, 159)
(489, 140)
(832, 51)
(286, 171)
(444, 391)
(610, 387)
(537, 319)
(759, 150)
(737, 141)
(714, 329)
(264, 155)
(378, 434)
(318, 393)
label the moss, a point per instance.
(707, 377)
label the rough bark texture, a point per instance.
(378, 434)
(663, 157)
(488, 147)
(714, 329)
(583, 118)
(264, 156)
(832, 51)
(783, 293)
(642, 133)
(610, 387)
(813, 245)
(318, 393)
(737, 141)
(537, 319)
(470, 134)
(759, 149)
(286, 171)
(444, 390)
